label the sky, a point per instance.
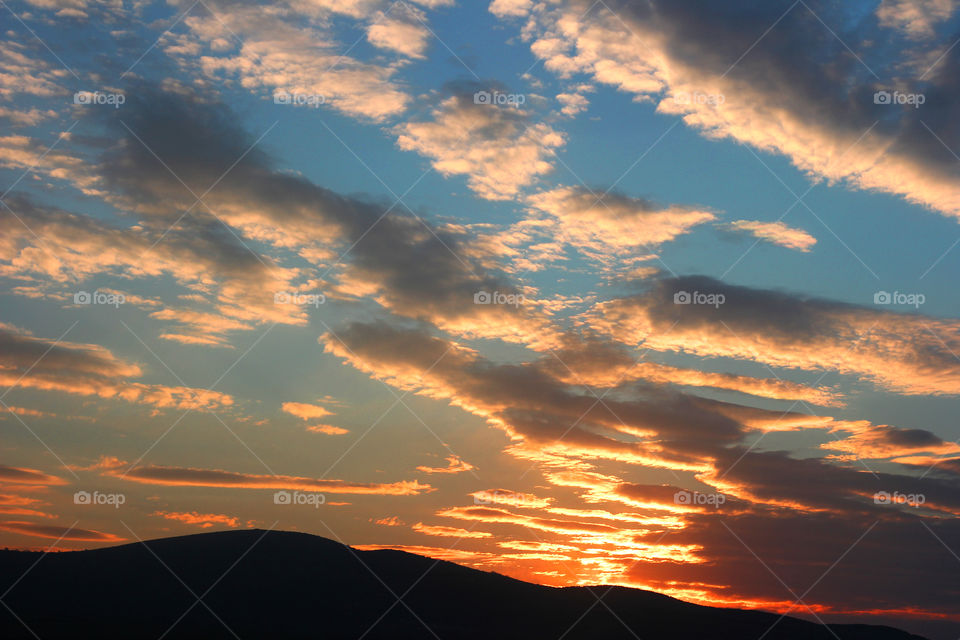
(658, 294)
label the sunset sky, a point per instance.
(661, 293)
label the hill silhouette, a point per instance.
(256, 584)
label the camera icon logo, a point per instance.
(882, 297)
(682, 497)
(82, 297)
(282, 497)
(482, 97)
(82, 497)
(282, 97)
(281, 297)
(82, 97)
(482, 297)
(882, 97)
(882, 497)
(682, 297)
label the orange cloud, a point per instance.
(22, 152)
(23, 411)
(455, 465)
(18, 505)
(438, 553)
(204, 520)
(19, 475)
(498, 148)
(489, 514)
(885, 442)
(327, 429)
(510, 498)
(449, 532)
(90, 370)
(607, 227)
(775, 232)
(193, 477)
(55, 532)
(605, 363)
(903, 352)
(295, 51)
(306, 411)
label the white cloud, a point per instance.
(499, 148)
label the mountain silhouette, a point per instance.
(257, 584)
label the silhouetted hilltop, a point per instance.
(294, 585)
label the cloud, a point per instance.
(609, 227)
(796, 548)
(818, 110)
(402, 262)
(56, 532)
(306, 411)
(292, 48)
(513, 8)
(23, 411)
(18, 475)
(449, 532)
(510, 498)
(438, 553)
(905, 353)
(533, 407)
(90, 370)
(570, 434)
(25, 75)
(66, 251)
(918, 18)
(587, 373)
(455, 465)
(327, 429)
(400, 29)
(776, 479)
(203, 520)
(932, 464)
(503, 516)
(19, 505)
(868, 442)
(553, 423)
(775, 232)
(573, 103)
(29, 154)
(193, 477)
(498, 147)
(26, 117)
